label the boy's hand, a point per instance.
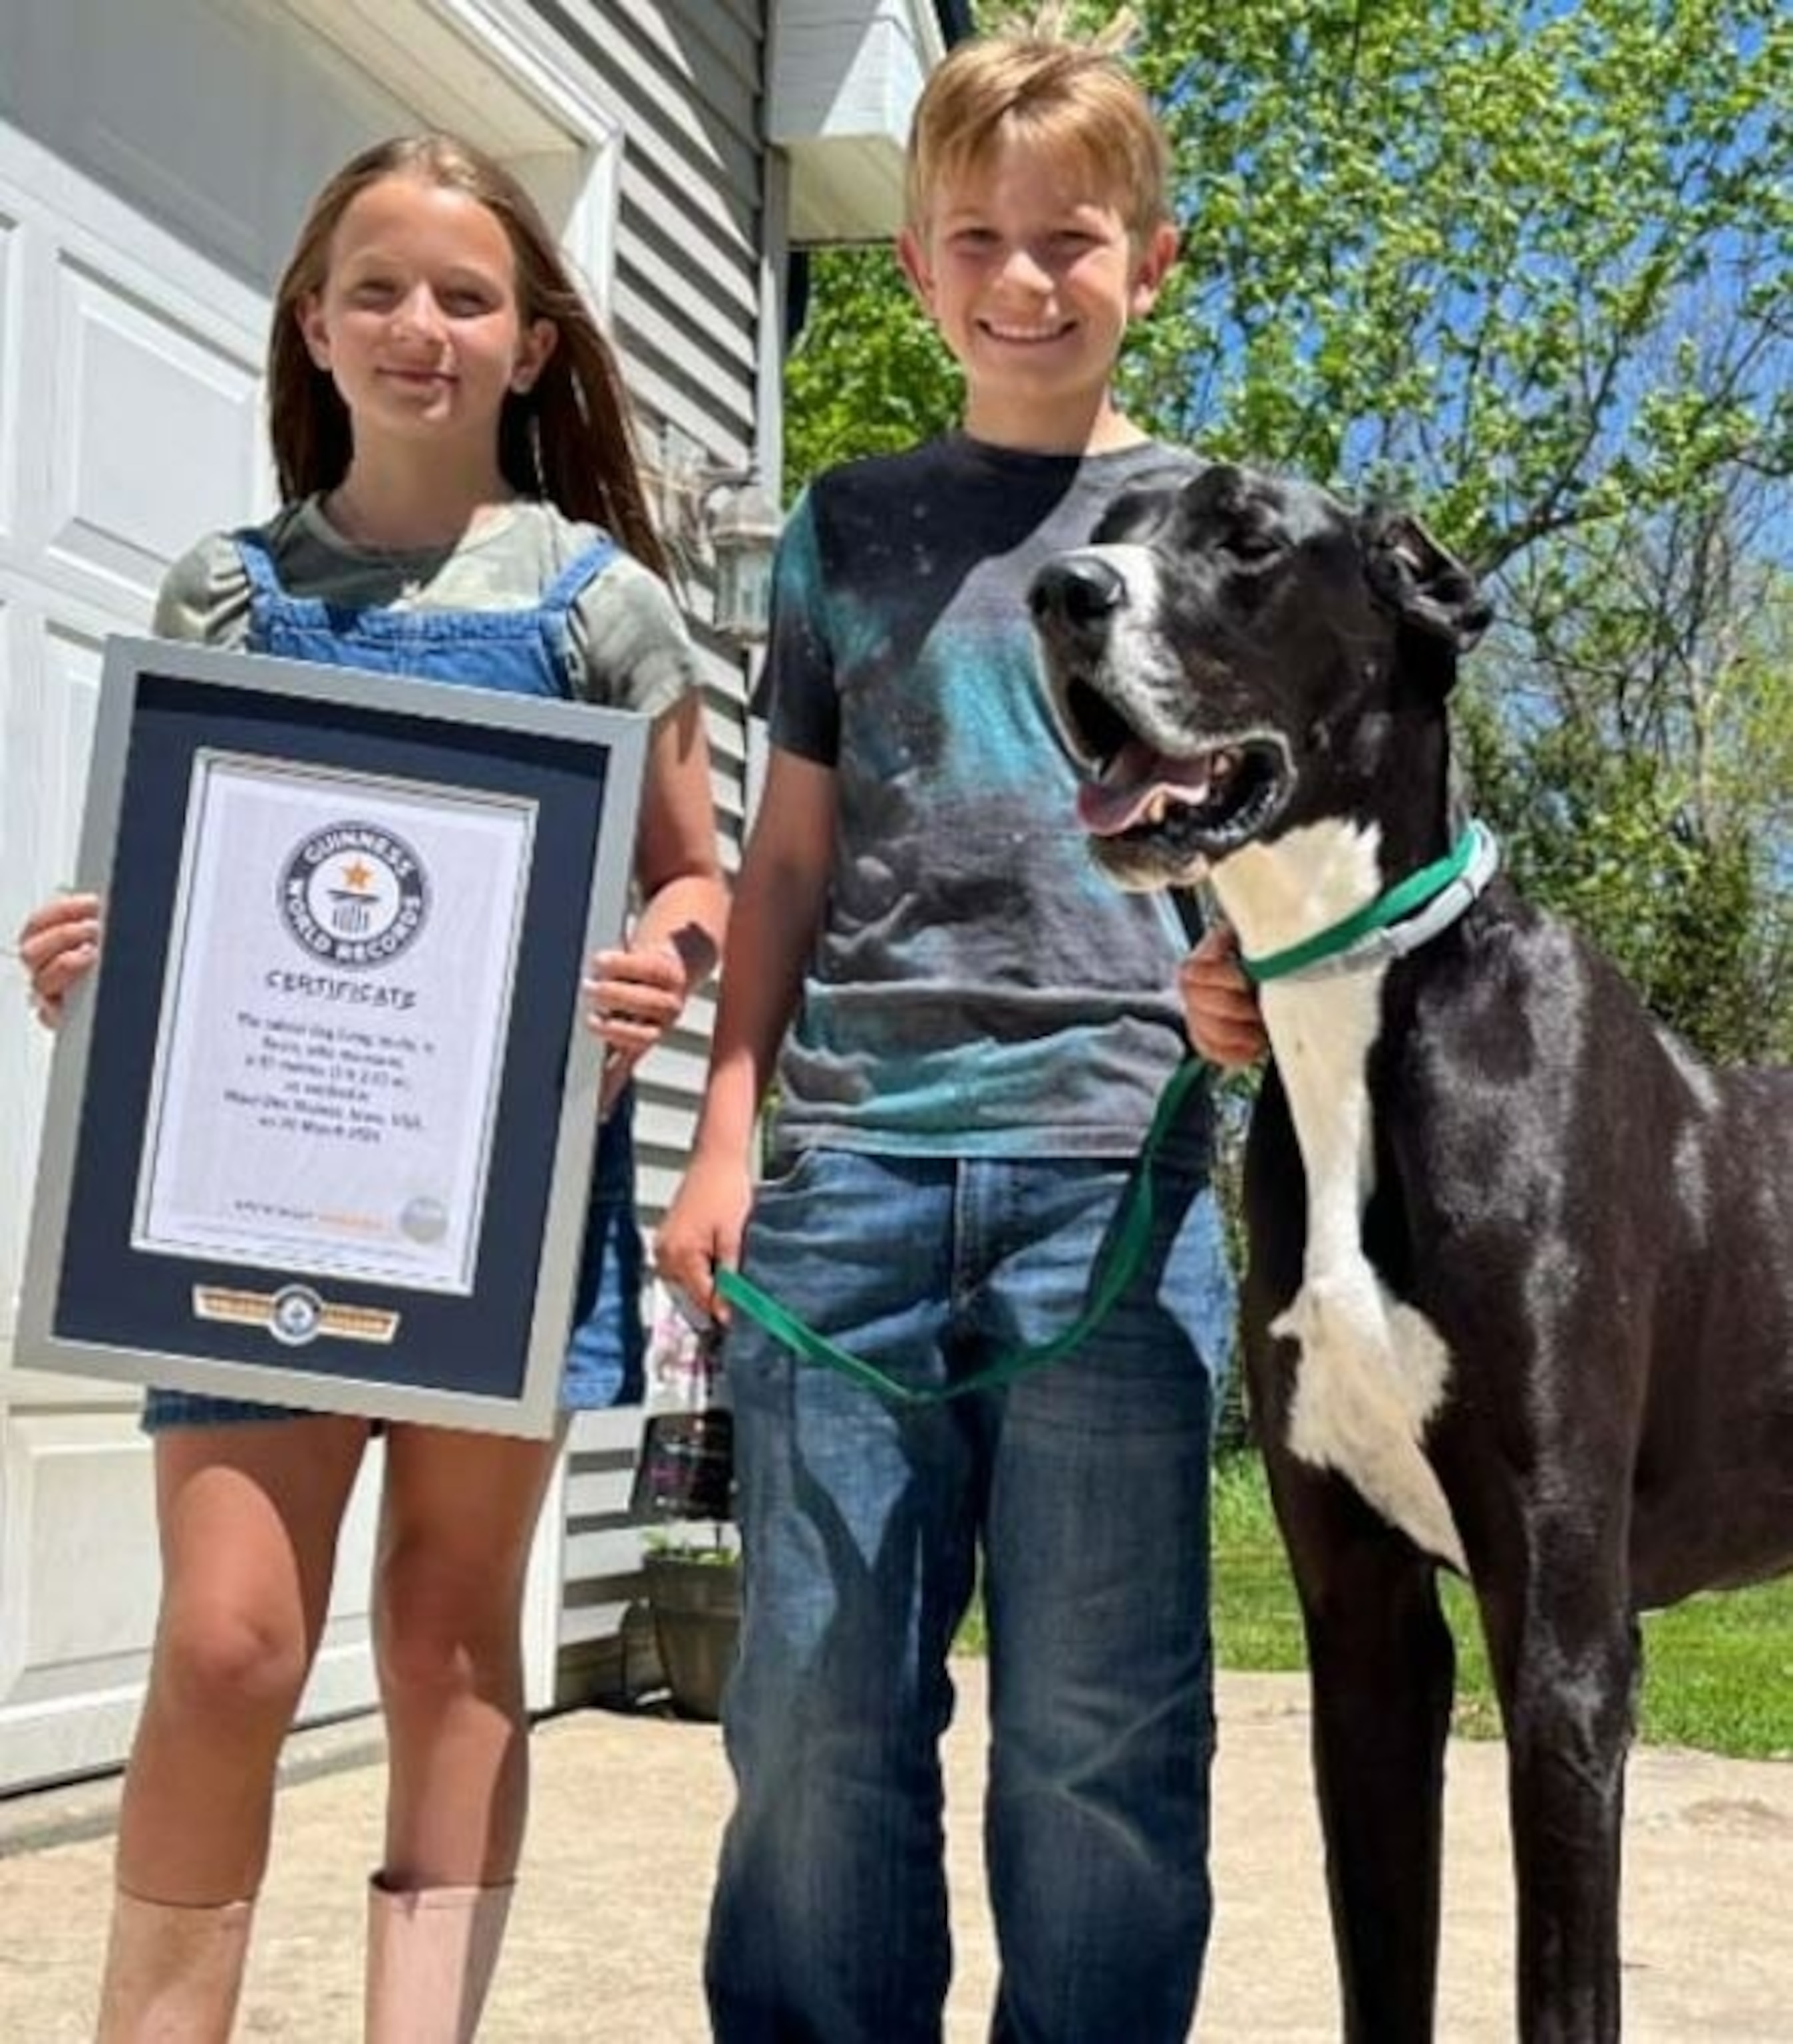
(1219, 1004)
(701, 1232)
(632, 998)
(58, 944)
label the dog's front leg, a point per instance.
(1383, 1672)
(1566, 1662)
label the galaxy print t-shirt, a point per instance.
(978, 988)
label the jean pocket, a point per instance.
(786, 1171)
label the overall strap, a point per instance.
(253, 551)
(565, 590)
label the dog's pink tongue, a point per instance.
(1117, 802)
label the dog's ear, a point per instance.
(1424, 585)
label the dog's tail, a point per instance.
(1370, 1373)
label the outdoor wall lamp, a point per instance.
(722, 518)
(741, 525)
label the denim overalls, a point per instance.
(529, 651)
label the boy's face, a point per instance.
(1025, 264)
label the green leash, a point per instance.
(1116, 1272)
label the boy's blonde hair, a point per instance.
(1077, 98)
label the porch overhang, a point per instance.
(844, 78)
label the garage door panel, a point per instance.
(70, 700)
(318, 112)
(49, 698)
(79, 1510)
(84, 1488)
(156, 432)
(161, 104)
(23, 1063)
(148, 101)
(120, 340)
(12, 356)
(86, 1509)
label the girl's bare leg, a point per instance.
(248, 1516)
(460, 1512)
(458, 1518)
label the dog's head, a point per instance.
(1226, 643)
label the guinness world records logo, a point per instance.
(354, 894)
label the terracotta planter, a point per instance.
(697, 1607)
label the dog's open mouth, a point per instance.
(1182, 806)
(1203, 806)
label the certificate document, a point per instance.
(334, 1013)
(322, 1119)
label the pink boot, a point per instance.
(431, 1956)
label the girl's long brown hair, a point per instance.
(568, 439)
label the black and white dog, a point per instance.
(1520, 1299)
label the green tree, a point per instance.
(1434, 248)
(1636, 756)
(869, 374)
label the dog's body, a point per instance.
(1521, 1269)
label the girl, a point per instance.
(462, 503)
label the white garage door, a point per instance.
(155, 162)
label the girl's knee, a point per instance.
(441, 1627)
(238, 1666)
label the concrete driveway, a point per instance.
(608, 1922)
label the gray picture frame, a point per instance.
(262, 1322)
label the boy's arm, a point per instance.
(778, 899)
(636, 991)
(685, 901)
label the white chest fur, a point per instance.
(1370, 1371)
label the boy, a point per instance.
(980, 1026)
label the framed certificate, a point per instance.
(321, 1128)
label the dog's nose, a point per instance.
(1080, 590)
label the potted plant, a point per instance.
(694, 1595)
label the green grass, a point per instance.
(1718, 1670)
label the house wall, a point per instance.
(693, 311)
(689, 314)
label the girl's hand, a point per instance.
(1219, 1004)
(57, 945)
(632, 998)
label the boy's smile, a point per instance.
(1026, 265)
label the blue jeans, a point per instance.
(1083, 1488)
